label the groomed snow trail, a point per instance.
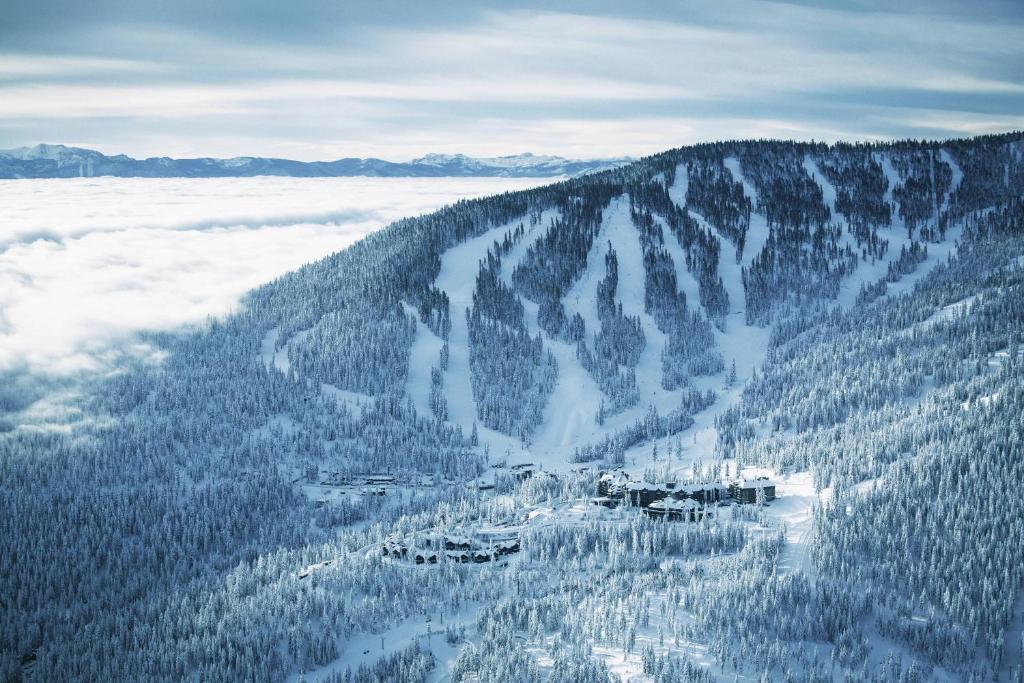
(747, 345)
(625, 239)
(459, 268)
(897, 233)
(570, 414)
(424, 356)
(274, 357)
(685, 280)
(870, 271)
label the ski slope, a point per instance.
(747, 345)
(459, 268)
(423, 357)
(570, 415)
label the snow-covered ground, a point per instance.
(423, 357)
(794, 508)
(625, 239)
(274, 350)
(745, 344)
(569, 418)
(459, 268)
(364, 649)
(274, 354)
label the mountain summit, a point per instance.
(60, 161)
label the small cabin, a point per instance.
(457, 543)
(425, 557)
(394, 548)
(746, 490)
(605, 501)
(508, 547)
(523, 471)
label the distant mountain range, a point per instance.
(60, 161)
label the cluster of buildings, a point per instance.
(679, 502)
(431, 548)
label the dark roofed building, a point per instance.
(686, 510)
(745, 490)
(706, 494)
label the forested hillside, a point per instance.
(846, 320)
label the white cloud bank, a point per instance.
(86, 263)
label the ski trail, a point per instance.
(757, 233)
(423, 357)
(687, 283)
(459, 268)
(747, 345)
(274, 357)
(867, 272)
(897, 233)
(582, 296)
(954, 184)
(625, 239)
(794, 507)
(571, 412)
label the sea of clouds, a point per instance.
(87, 263)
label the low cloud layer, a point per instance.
(87, 263)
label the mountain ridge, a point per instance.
(62, 161)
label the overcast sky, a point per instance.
(310, 79)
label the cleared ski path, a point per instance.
(569, 417)
(459, 268)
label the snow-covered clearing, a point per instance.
(274, 352)
(365, 649)
(794, 507)
(423, 357)
(353, 399)
(946, 313)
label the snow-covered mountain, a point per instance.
(59, 161)
(744, 410)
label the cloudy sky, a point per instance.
(317, 79)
